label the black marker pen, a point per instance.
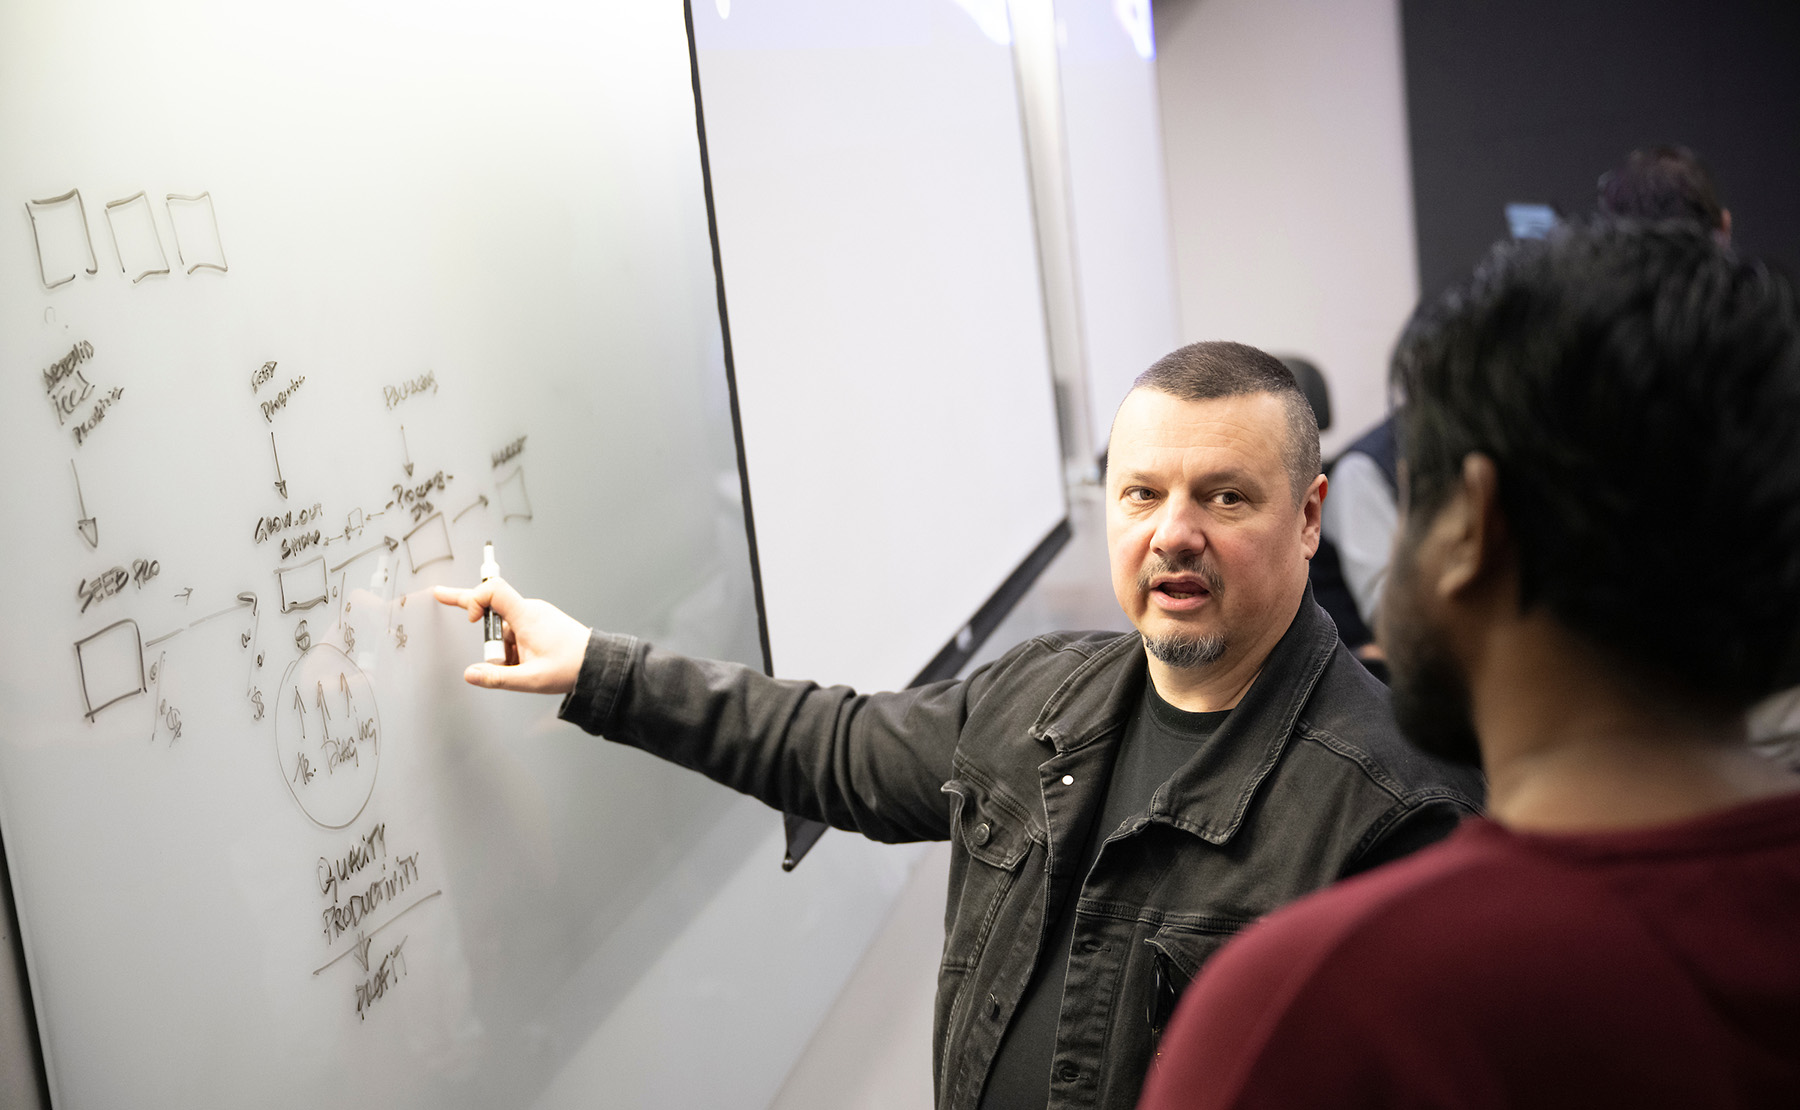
(493, 650)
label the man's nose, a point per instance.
(1179, 529)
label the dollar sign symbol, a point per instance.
(256, 700)
(349, 638)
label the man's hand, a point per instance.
(544, 645)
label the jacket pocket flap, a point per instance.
(1187, 947)
(986, 830)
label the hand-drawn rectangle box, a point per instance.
(59, 230)
(304, 586)
(196, 224)
(429, 542)
(135, 237)
(513, 499)
(111, 662)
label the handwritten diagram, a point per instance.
(65, 244)
(318, 596)
(166, 718)
(326, 728)
(356, 887)
(327, 735)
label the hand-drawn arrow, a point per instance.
(349, 533)
(405, 452)
(388, 542)
(87, 525)
(243, 599)
(479, 501)
(280, 484)
(360, 950)
(244, 640)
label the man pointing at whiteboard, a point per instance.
(1117, 805)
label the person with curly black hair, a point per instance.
(1595, 576)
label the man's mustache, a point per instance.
(1197, 564)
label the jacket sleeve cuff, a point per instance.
(604, 669)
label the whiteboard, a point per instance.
(1125, 266)
(887, 319)
(298, 306)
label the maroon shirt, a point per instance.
(1650, 968)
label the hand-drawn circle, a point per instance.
(327, 735)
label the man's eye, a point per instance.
(1138, 493)
(1229, 497)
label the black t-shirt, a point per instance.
(1159, 738)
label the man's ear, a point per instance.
(1470, 531)
(1312, 508)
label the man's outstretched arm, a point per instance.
(875, 764)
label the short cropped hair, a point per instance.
(1662, 183)
(1208, 371)
(1638, 389)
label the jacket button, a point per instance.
(993, 1008)
(1068, 1072)
(983, 833)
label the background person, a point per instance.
(1358, 522)
(1117, 805)
(1595, 576)
(1665, 182)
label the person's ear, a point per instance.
(1312, 508)
(1722, 233)
(1470, 531)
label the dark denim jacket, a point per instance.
(1306, 781)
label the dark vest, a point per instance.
(1326, 572)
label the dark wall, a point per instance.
(1531, 100)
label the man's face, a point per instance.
(1430, 692)
(1209, 549)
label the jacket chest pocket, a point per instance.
(1176, 955)
(992, 844)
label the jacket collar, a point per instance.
(1210, 793)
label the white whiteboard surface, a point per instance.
(460, 288)
(1125, 262)
(886, 317)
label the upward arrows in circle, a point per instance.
(87, 525)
